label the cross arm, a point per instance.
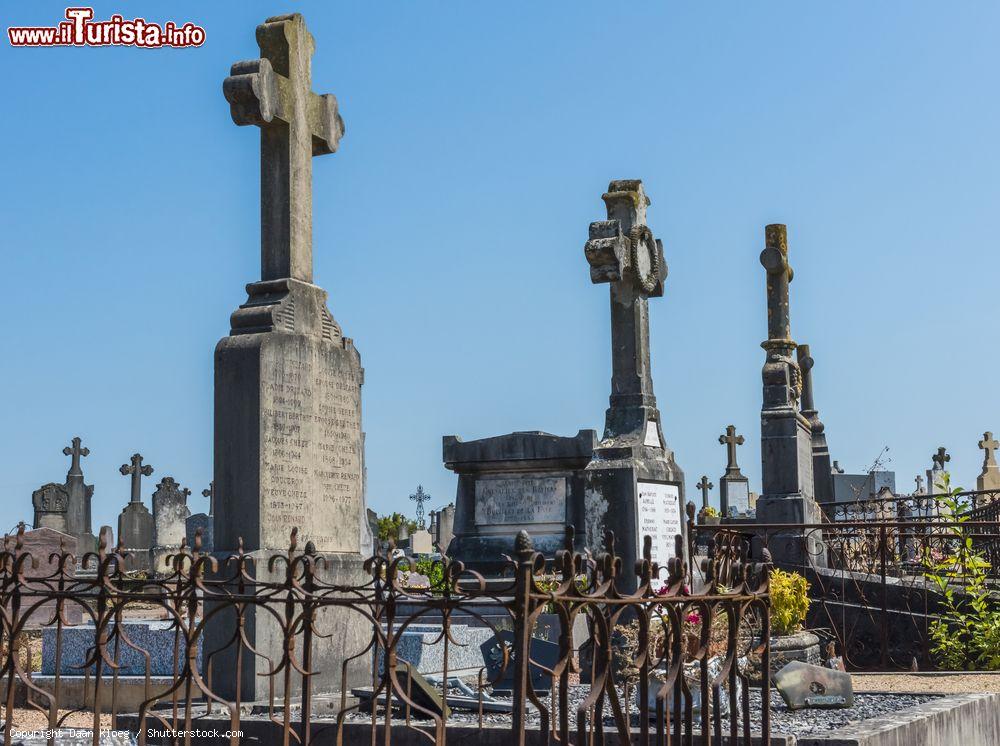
(608, 251)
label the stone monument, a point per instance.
(938, 479)
(135, 524)
(989, 479)
(170, 514)
(203, 522)
(66, 507)
(822, 468)
(444, 529)
(634, 486)
(734, 488)
(51, 504)
(525, 480)
(705, 486)
(288, 439)
(786, 434)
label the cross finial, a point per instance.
(209, 492)
(920, 484)
(76, 451)
(420, 497)
(137, 471)
(836, 468)
(774, 258)
(989, 445)
(704, 485)
(940, 458)
(273, 92)
(731, 440)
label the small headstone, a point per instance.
(51, 503)
(989, 479)
(445, 528)
(543, 654)
(420, 542)
(170, 514)
(803, 686)
(734, 488)
(135, 523)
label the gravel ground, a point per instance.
(783, 720)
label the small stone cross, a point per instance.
(76, 452)
(920, 484)
(273, 92)
(137, 470)
(730, 440)
(989, 445)
(209, 492)
(941, 458)
(705, 486)
(420, 497)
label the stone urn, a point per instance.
(802, 646)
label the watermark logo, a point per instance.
(81, 30)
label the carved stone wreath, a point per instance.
(642, 246)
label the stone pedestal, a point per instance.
(526, 480)
(135, 530)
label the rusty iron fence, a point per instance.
(659, 664)
(936, 508)
(874, 583)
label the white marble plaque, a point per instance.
(738, 497)
(652, 436)
(658, 515)
(520, 500)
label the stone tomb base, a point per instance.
(346, 633)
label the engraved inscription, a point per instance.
(520, 500)
(311, 445)
(658, 515)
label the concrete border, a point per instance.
(966, 719)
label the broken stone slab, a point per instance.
(803, 686)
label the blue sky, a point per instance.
(449, 229)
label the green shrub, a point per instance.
(789, 602)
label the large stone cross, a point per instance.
(782, 375)
(76, 452)
(940, 459)
(273, 92)
(989, 445)
(622, 251)
(730, 440)
(137, 470)
(420, 497)
(704, 485)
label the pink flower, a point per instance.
(693, 617)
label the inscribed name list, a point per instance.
(520, 500)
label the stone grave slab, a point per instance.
(543, 654)
(802, 685)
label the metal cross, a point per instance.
(209, 492)
(940, 458)
(420, 497)
(137, 470)
(989, 445)
(76, 452)
(705, 486)
(730, 440)
(273, 92)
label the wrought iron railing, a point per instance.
(657, 660)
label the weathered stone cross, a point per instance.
(940, 458)
(705, 486)
(273, 92)
(920, 483)
(420, 497)
(76, 452)
(731, 440)
(989, 445)
(622, 251)
(137, 470)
